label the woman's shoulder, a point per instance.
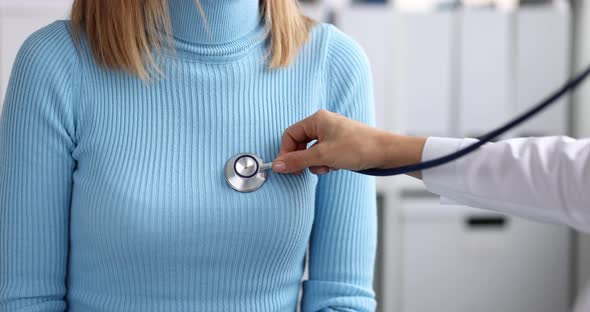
(340, 50)
(55, 38)
(48, 63)
(49, 50)
(335, 39)
(348, 73)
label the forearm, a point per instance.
(401, 151)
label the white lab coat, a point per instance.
(545, 179)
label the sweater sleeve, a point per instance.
(344, 235)
(36, 166)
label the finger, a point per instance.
(299, 147)
(320, 170)
(299, 134)
(298, 160)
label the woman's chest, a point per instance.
(151, 160)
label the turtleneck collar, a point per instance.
(227, 20)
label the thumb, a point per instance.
(298, 160)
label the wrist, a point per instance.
(401, 150)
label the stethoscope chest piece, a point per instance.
(245, 172)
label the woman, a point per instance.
(114, 135)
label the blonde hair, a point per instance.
(125, 34)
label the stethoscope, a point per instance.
(248, 172)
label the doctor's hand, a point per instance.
(343, 143)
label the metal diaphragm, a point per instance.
(243, 174)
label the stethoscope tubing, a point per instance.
(570, 86)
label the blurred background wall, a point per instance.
(582, 58)
(581, 117)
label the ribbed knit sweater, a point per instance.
(112, 193)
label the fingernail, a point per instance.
(323, 171)
(279, 166)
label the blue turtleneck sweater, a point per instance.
(112, 194)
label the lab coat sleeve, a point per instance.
(545, 179)
(36, 141)
(344, 235)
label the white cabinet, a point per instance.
(18, 20)
(425, 73)
(464, 72)
(486, 67)
(542, 66)
(461, 259)
(510, 61)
